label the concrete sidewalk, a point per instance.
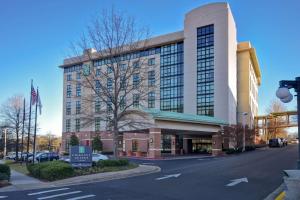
(171, 157)
(23, 182)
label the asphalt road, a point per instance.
(196, 179)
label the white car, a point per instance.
(97, 157)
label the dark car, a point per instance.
(275, 142)
(42, 157)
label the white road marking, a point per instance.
(47, 191)
(59, 195)
(168, 176)
(147, 163)
(237, 181)
(82, 197)
(3, 197)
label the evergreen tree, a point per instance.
(74, 141)
(97, 144)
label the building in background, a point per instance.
(206, 80)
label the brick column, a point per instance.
(185, 145)
(216, 145)
(173, 144)
(154, 143)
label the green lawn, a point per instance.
(17, 166)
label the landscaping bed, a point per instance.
(19, 167)
(57, 170)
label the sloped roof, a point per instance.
(183, 117)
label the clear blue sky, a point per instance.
(35, 37)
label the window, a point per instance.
(123, 67)
(135, 80)
(151, 99)
(134, 145)
(68, 108)
(136, 64)
(69, 77)
(97, 105)
(68, 125)
(151, 78)
(78, 89)
(78, 75)
(109, 70)
(78, 107)
(136, 100)
(122, 102)
(97, 86)
(109, 84)
(205, 70)
(77, 125)
(69, 90)
(151, 61)
(97, 124)
(171, 77)
(123, 82)
(98, 72)
(109, 106)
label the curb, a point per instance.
(92, 178)
(277, 194)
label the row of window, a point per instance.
(171, 77)
(205, 70)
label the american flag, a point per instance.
(33, 96)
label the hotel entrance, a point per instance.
(199, 145)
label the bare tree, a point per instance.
(117, 76)
(11, 114)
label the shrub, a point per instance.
(3, 177)
(53, 170)
(113, 163)
(250, 148)
(5, 169)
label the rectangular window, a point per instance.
(135, 80)
(123, 82)
(109, 84)
(109, 70)
(109, 106)
(151, 99)
(136, 64)
(123, 67)
(136, 100)
(77, 125)
(205, 70)
(78, 107)
(151, 78)
(68, 125)
(78, 75)
(78, 89)
(68, 108)
(122, 102)
(151, 61)
(97, 106)
(97, 87)
(69, 77)
(69, 90)
(98, 72)
(97, 124)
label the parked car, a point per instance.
(97, 157)
(275, 142)
(294, 141)
(12, 155)
(42, 157)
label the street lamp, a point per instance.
(244, 132)
(283, 93)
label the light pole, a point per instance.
(5, 141)
(244, 132)
(283, 93)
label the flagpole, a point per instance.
(29, 123)
(23, 129)
(34, 137)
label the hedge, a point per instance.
(53, 170)
(112, 163)
(5, 169)
(3, 177)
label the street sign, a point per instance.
(81, 156)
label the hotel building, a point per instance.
(207, 80)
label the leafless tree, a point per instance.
(116, 73)
(11, 114)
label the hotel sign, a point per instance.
(81, 156)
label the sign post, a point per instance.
(81, 156)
